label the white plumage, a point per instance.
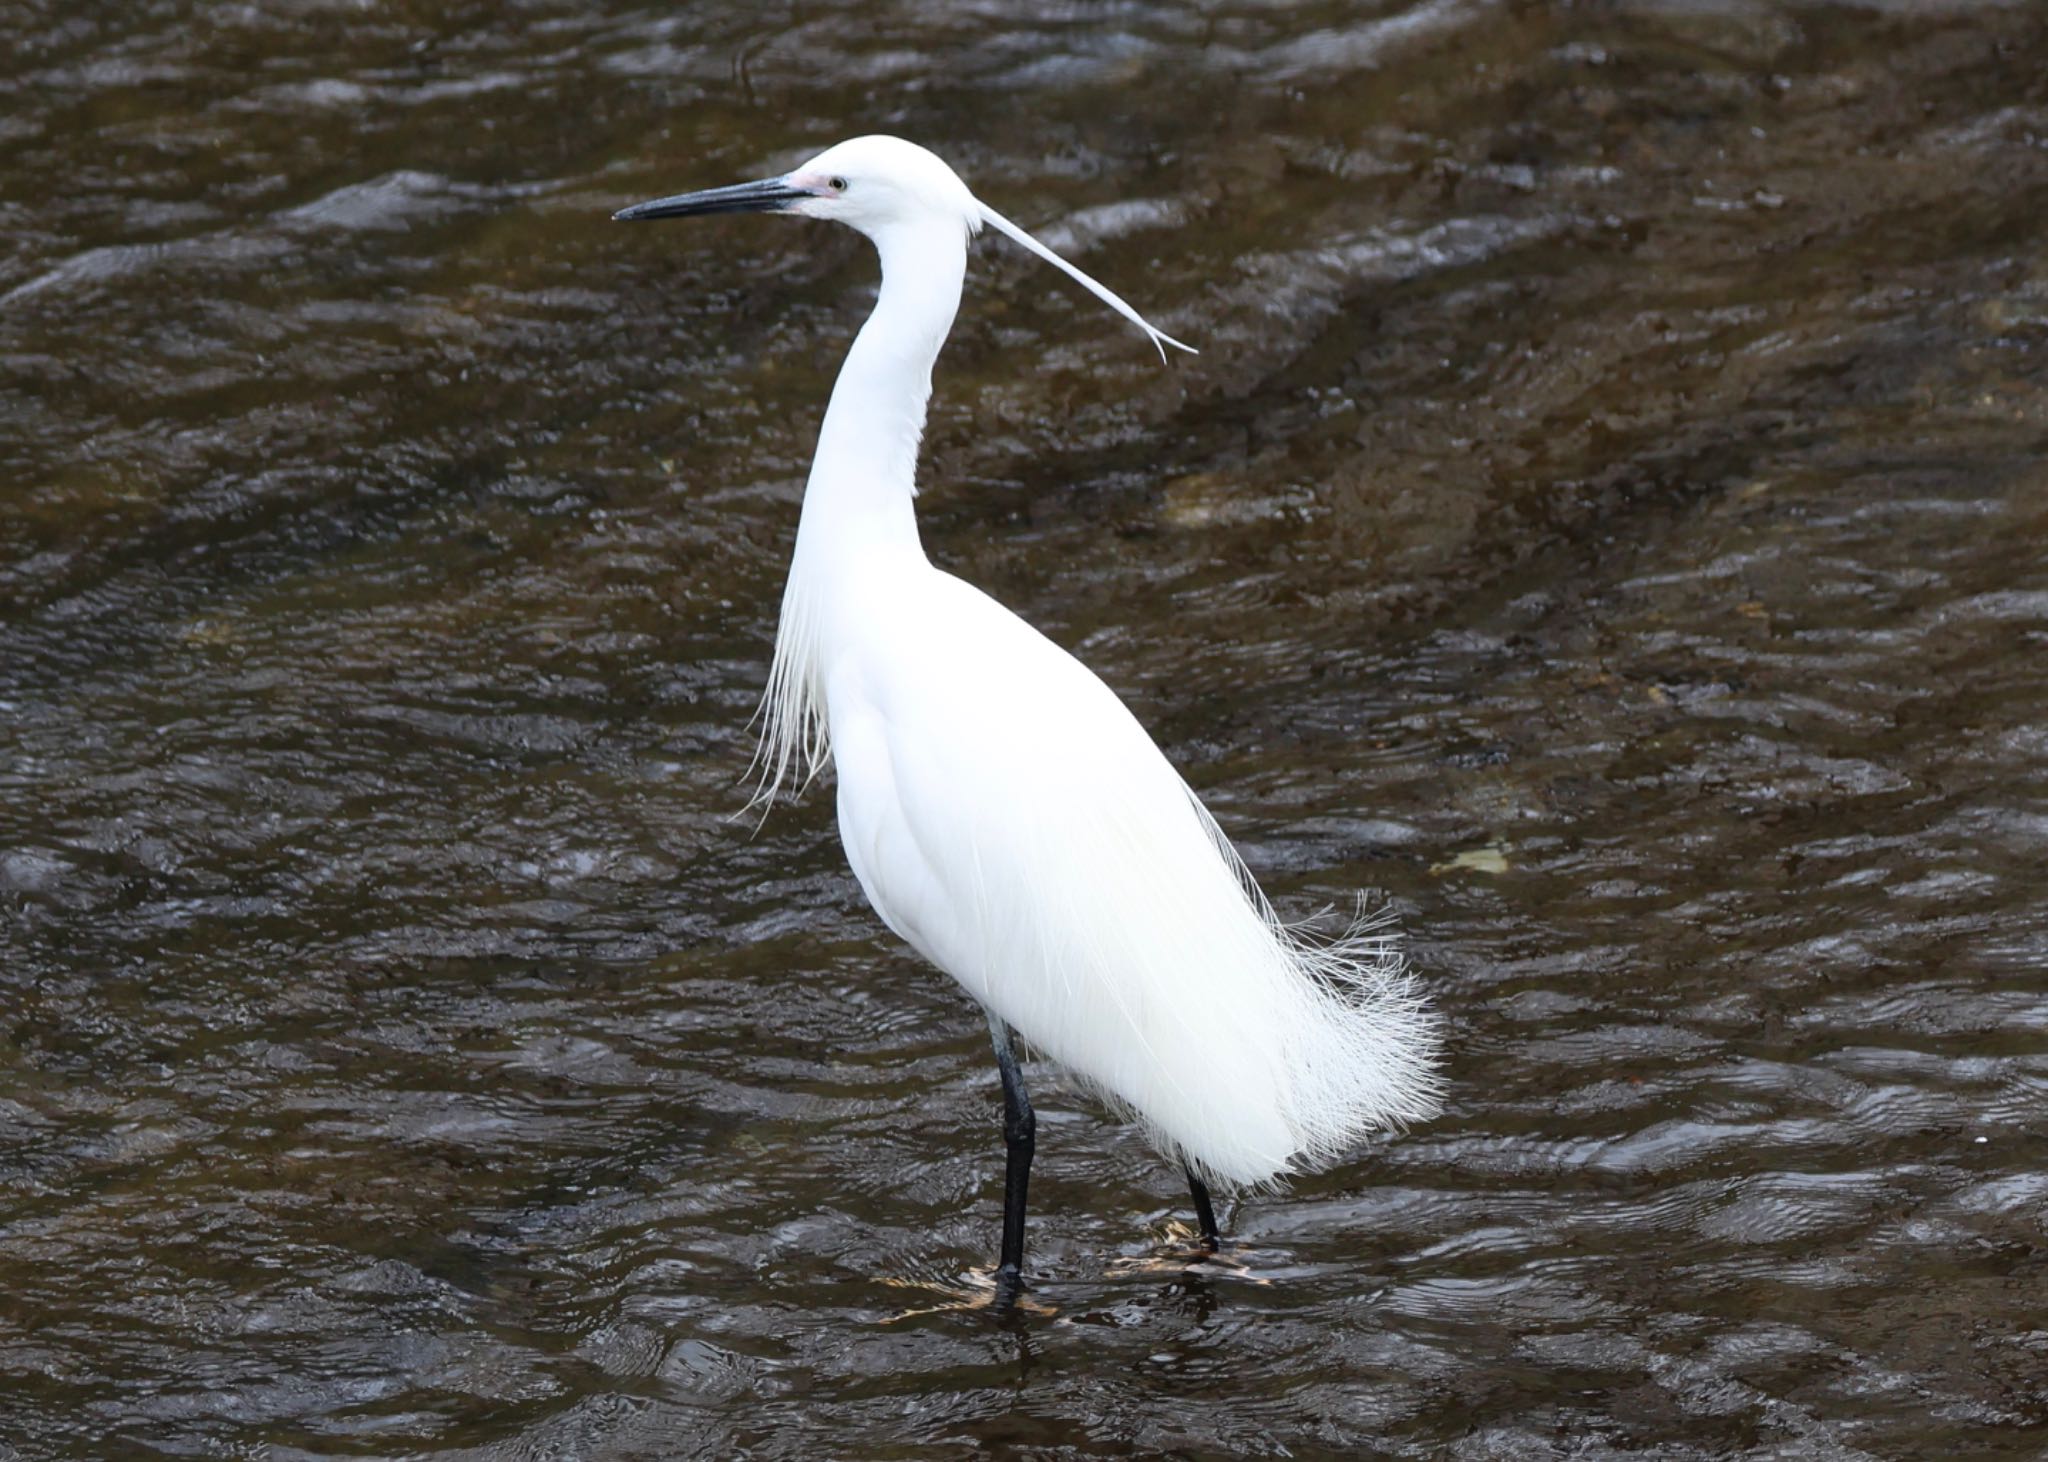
(1004, 812)
(1009, 818)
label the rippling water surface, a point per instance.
(1607, 516)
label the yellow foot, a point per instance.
(1186, 1251)
(977, 1291)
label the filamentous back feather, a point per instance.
(1359, 1038)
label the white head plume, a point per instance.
(1160, 339)
(876, 184)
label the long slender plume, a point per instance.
(1160, 339)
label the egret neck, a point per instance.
(857, 505)
(858, 528)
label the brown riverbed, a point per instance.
(1608, 518)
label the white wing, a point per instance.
(1008, 817)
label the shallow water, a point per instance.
(1606, 517)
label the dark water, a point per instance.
(1609, 515)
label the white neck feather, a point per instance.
(857, 510)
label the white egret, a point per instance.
(1004, 812)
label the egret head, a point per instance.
(879, 185)
(868, 183)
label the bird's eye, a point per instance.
(837, 185)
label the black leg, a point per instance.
(1020, 1137)
(1205, 1211)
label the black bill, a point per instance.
(766, 196)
